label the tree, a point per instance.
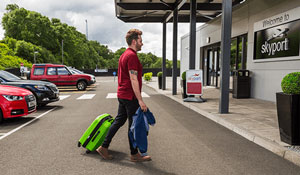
(158, 64)
(28, 31)
(9, 60)
(113, 64)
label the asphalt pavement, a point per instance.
(181, 142)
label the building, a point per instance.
(265, 40)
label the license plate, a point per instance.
(31, 103)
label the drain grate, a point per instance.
(294, 148)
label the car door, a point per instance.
(51, 75)
(38, 73)
(65, 77)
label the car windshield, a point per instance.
(8, 76)
(75, 71)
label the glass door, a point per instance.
(214, 67)
(217, 66)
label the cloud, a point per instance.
(103, 25)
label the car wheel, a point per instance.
(81, 85)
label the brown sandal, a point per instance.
(108, 157)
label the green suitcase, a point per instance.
(94, 136)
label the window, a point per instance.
(39, 71)
(62, 71)
(51, 71)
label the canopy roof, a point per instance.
(158, 11)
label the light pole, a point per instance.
(62, 51)
(35, 52)
(86, 30)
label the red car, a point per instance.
(60, 75)
(15, 102)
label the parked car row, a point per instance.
(20, 97)
(44, 92)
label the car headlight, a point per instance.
(12, 97)
(41, 88)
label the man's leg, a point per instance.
(131, 108)
(118, 122)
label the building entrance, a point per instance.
(212, 61)
(213, 67)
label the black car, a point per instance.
(45, 92)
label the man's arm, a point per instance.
(136, 89)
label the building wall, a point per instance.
(266, 76)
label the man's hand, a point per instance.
(143, 106)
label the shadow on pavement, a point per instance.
(123, 160)
(48, 107)
(13, 122)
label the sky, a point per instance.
(103, 25)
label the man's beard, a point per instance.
(138, 47)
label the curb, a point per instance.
(268, 144)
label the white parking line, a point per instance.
(111, 95)
(25, 124)
(145, 95)
(62, 97)
(86, 96)
(114, 95)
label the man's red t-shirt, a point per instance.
(128, 61)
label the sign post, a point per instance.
(194, 83)
(114, 73)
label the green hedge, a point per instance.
(9, 60)
(147, 76)
(290, 84)
(159, 74)
(183, 75)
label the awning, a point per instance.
(159, 11)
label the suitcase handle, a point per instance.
(111, 120)
(96, 136)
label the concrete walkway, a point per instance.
(254, 119)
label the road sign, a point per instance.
(194, 82)
(22, 69)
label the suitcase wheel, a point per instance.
(79, 144)
(87, 151)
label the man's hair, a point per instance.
(132, 34)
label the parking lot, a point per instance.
(181, 142)
(12, 125)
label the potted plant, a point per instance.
(183, 85)
(147, 76)
(159, 76)
(288, 109)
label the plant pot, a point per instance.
(183, 89)
(288, 112)
(160, 82)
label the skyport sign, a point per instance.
(194, 82)
(277, 37)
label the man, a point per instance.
(129, 93)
